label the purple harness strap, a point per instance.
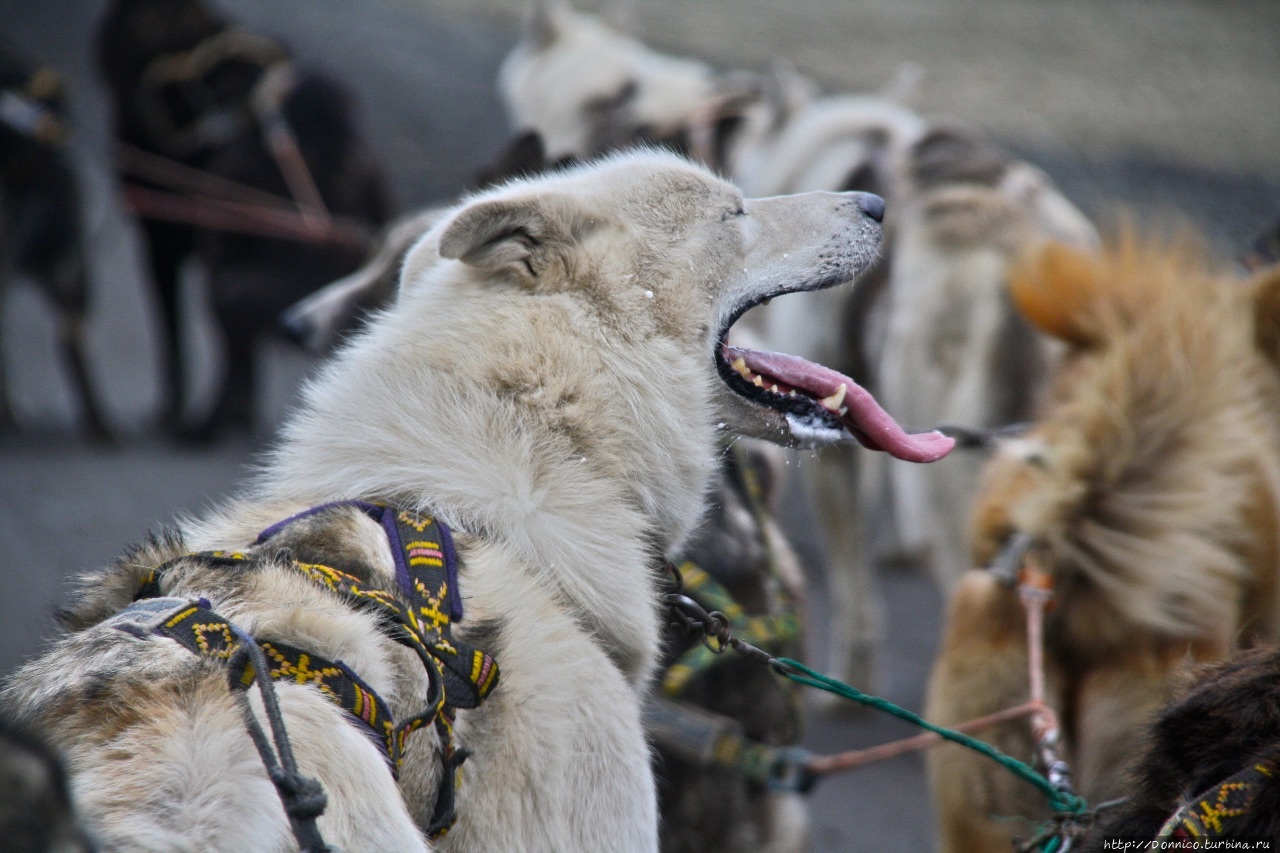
(386, 516)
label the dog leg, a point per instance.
(168, 246)
(71, 339)
(840, 482)
(558, 754)
(982, 669)
(233, 405)
(914, 517)
(7, 419)
(788, 823)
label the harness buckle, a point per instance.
(143, 619)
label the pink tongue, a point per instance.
(869, 423)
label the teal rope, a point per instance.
(1060, 801)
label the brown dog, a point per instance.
(1149, 488)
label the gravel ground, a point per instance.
(1166, 105)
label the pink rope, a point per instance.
(855, 758)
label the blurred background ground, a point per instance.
(1169, 106)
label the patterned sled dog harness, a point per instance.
(419, 615)
(1219, 811)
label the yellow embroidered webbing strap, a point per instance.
(1217, 811)
(421, 617)
(427, 571)
(460, 675)
(196, 627)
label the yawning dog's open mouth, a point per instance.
(815, 399)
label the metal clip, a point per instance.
(790, 772)
(1008, 563)
(693, 618)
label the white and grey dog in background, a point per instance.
(931, 330)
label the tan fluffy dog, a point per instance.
(1150, 489)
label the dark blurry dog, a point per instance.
(190, 87)
(253, 278)
(715, 717)
(321, 320)
(40, 229)
(35, 805)
(1213, 753)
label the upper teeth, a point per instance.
(739, 364)
(833, 402)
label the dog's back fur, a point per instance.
(1150, 485)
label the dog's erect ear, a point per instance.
(622, 16)
(1266, 310)
(512, 234)
(1051, 212)
(524, 155)
(952, 154)
(543, 22)
(904, 86)
(786, 91)
(1055, 286)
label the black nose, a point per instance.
(872, 205)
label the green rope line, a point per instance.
(1060, 801)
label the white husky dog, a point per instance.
(548, 384)
(583, 85)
